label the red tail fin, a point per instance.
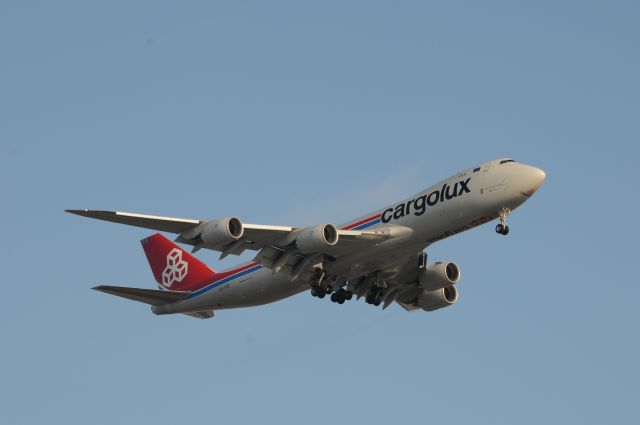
(173, 267)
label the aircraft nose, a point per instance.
(533, 178)
(537, 176)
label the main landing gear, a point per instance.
(319, 290)
(374, 297)
(341, 295)
(502, 228)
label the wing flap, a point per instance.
(147, 296)
(260, 236)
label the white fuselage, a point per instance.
(463, 201)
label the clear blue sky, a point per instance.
(298, 113)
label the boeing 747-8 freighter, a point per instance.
(379, 256)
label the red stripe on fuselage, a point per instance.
(360, 223)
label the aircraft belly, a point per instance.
(261, 287)
(378, 258)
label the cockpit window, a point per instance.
(504, 161)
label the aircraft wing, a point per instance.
(163, 224)
(276, 244)
(255, 236)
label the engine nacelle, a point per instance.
(433, 300)
(222, 231)
(438, 276)
(317, 238)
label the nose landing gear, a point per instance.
(502, 228)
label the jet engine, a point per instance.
(438, 276)
(433, 300)
(317, 238)
(222, 231)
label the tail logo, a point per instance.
(176, 269)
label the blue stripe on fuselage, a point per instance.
(223, 281)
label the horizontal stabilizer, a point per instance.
(205, 314)
(147, 296)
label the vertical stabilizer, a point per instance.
(173, 267)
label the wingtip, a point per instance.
(77, 212)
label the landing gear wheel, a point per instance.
(329, 289)
(321, 295)
(315, 291)
(503, 230)
(348, 295)
(334, 297)
(342, 295)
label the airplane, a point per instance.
(379, 256)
